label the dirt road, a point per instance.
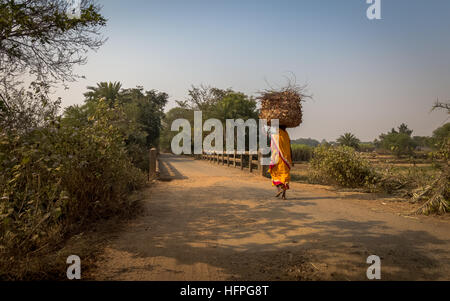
(209, 222)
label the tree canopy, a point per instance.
(441, 134)
(144, 111)
(38, 38)
(221, 104)
(399, 142)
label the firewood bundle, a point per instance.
(284, 105)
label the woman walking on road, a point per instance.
(281, 161)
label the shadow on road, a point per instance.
(269, 239)
(167, 170)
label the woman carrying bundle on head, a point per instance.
(285, 105)
(281, 161)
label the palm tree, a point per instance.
(108, 90)
(348, 139)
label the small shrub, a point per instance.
(342, 166)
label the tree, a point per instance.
(399, 142)
(144, 107)
(38, 36)
(221, 104)
(144, 111)
(38, 39)
(203, 98)
(441, 134)
(403, 129)
(107, 90)
(235, 105)
(348, 139)
(167, 134)
(151, 112)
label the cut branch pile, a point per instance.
(284, 105)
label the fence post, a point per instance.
(223, 158)
(152, 167)
(250, 161)
(261, 167)
(242, 161)
(228, 159)
(234, 158)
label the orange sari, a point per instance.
(281, 160)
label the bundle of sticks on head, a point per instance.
(282, 104)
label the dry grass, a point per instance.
(283, 104)
(424, 186)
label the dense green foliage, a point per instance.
(57, 177)
(399, 142)
(144, 111)
(213, 103)
(60, 173)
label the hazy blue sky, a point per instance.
(366, 76)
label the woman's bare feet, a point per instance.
(280, 191)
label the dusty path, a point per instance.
(208, 222)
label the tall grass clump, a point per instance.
(301, 152)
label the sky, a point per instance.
(365, 76)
